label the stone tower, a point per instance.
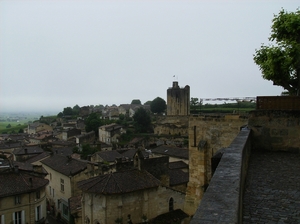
(178, 100)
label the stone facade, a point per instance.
(275, 130)
(150, 202)
(178, 100)
(207, 134)
(171, 125)
(30, 208)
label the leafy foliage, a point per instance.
(280, 62)
(158, 105)
(142, 121)
(136, 101)
(148, 102)
(68, 111)
(76, 110)
(92, 123)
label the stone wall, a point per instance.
(222, 202)
(207, 135)
(171, 125)
(149, 202)
(275, 130)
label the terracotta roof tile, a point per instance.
(119, 182)
(13, 183)
(177, 177)
(65, 165)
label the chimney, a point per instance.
(30, 181)
(26, 150)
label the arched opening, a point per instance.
(171, 204)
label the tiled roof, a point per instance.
(38, 157)
(111, 127)
(129, 153)
(119, 182)
(28, 150)
(178, 165)
(178, 177)
(29, 167)
(109, 156)
(171, 151)
(13, 183)
(65, 165)
(67, 151)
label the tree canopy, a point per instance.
(136, 101)
(68, 111)
(142, 120)
(280, 61)
(92, 123)
(158, 105)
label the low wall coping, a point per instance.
(222, 199)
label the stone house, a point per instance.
(141, 190)
(63, 174)
(132, 194)
(85, 138)
(22, 195)
(24, 153)
(36, 127)
(71, 132)
(110, 133)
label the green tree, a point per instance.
(142, 121)
(68, 111)
(76, 110)
(136, 101)
(158, 105)
(92, 123)
(8, 126)
(148, 102)
(194, 101)
(60, 114)
(280, 61)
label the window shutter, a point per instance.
(13, 217)
(23, 216)
(2, 219)
(35, 214)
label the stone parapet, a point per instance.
(222, 201)
(275, 130)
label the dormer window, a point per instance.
(17, 199)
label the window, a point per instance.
(50, 176)
(17, 199)
(65, 210)
(19, 217)
(53, 192)
(38, 213)
(171, 204)
(62, 185)
(50, 189)
(38, 194)
(2, 221)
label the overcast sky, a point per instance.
(55, 54)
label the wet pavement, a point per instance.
(272, 190)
